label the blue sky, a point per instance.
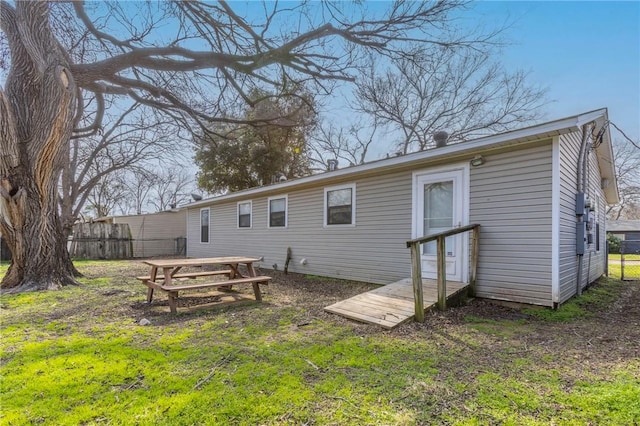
(586, 53)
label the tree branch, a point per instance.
(101, 36)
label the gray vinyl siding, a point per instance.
(523, 197)
(511, 198)
(595, 260)
(568, 261)
(569, 150)
(155, 234)
(374, 250)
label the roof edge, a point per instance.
(526, 134)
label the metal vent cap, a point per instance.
(441, 137)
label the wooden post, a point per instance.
(173, 302)
(416, 274)
(442, 274)
(475, 238)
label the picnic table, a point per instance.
(166, 275)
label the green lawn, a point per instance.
(616, 257)
(79, 356)
(615, 265)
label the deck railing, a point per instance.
(416, 268)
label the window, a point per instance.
(244, 214)
(438, 214)
(204, 225)
(340, 205)
(277, 212)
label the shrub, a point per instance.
(613, 243)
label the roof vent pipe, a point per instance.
(441, 137)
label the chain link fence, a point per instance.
(630, 260)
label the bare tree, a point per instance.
(213, 52)
(136, 135)
(139, 183)
(463, 92)
(627, 161)
(349, 145)
(171, 187)
(105, 195)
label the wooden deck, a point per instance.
(392, 304)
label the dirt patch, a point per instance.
(603, 338)
(610, 334)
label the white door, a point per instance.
(440, 205)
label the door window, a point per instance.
(438, 214)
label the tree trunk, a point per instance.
(39, 256)
(36, 121)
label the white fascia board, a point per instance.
(514, 137)
(604, 153)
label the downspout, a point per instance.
(583, 158)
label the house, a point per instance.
(628, 231)
(155, 234)
(541, 211)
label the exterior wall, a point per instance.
(593, 260)
(374, 250)
(155, 234)
(511, 198)
(569, 149)
(631, 241)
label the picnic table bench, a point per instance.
(165, 281)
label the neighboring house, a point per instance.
(156, 234)
(628, 231)
(353, 223)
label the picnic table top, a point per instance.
(171, 263)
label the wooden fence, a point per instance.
(101, 241)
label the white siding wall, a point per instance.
(593, 260)
(511, 200)
(374, 250)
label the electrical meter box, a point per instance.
(581, 203)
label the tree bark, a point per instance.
(36, 124)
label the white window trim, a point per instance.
(286, 211)
(250, 214)
(351, 186)
(208, 226)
